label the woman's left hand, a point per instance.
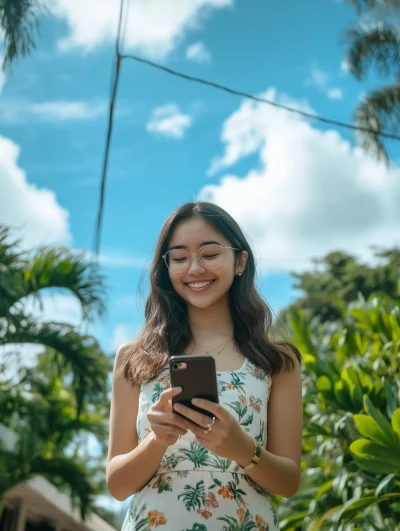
(226, 438)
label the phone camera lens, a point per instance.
(175, 366)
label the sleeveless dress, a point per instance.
(197, 490)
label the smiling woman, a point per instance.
(210, 474)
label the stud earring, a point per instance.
(239, 274)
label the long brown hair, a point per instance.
(166, 330)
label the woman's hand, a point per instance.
(226, 437)
(165, 424)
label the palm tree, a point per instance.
(19, 23)
(42, 414)
(23, 276)
(65, 395)
(374, 44)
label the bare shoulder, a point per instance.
(291, 359)
(122, 356)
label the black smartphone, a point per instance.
(198, 378)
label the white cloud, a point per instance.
(344, 66)
(20, 110)
(154, 27)
(33, 212)
(58, 307)
(311, 191)
(169, 121)
(198, 52)
(123, 333)
(320, 79)
(335, 94)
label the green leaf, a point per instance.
(396, 422)
(367, 426)
(374, 457)
(324, 383)
(353, 507)
(383, 423)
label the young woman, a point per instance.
(187, 473)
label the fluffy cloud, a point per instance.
(198, 52)
(123, 333)
(320, 79)
(20, 110)
(311, 191)
(169, 121)
(335, 94)
(34, 212)
(152, 26)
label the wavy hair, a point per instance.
(166, 330)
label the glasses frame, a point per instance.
(164, 257)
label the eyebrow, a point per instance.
(201, 245)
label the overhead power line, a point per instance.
(258, 99)
(113, 96)
(118, 57)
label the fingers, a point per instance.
(166, 396)
(197, 418)
(215, 409)
(168, 419)
(163, 430)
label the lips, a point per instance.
(199, 285)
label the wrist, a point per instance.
(156, 443)
(247, 451)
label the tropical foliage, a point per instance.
(336, 280)
(53, 406)
(373, 44)
(19, 24)
(351, 448)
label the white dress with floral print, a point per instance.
(194, 489)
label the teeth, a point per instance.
(199, 284)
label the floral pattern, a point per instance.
(197, 490)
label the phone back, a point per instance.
(197, 377)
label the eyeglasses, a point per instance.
(210, 256)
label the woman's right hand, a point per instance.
(166, 425)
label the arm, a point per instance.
(279, 469)
(131, 465)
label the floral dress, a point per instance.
(197, 490)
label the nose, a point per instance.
(196, 266)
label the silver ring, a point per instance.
(209, 426)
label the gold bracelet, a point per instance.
(256, 457)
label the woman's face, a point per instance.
(198, 286)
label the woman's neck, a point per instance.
(211, 325)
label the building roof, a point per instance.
(44, 500)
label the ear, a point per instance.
(241, 262)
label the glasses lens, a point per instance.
(212, 256)
(177, 260)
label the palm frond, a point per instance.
(81, 354)
(70, 270)
(11, 262)
(19, 22)
(373, 48)
(362, 5)
(380, 110)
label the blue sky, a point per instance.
(299, 189)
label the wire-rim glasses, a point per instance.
(210, 256)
